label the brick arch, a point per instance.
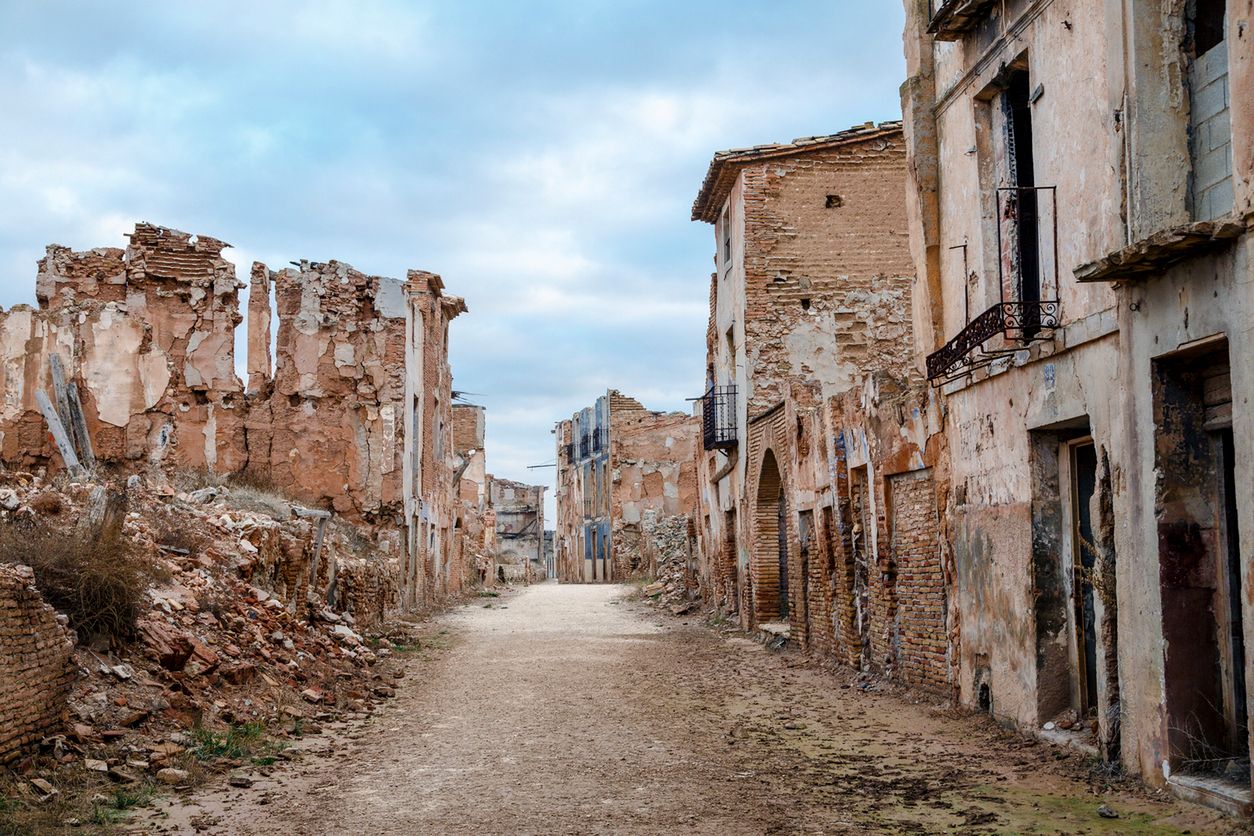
(770, 567)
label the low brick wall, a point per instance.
(35, 668)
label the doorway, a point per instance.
(1200, 564)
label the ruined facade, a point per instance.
(625, 475)
(352, 414)
(519, 513)
(1080, 206)
(474, 527)
(148, 333)
(818, 494)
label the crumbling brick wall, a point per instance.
(35, 663)
(827, 267)
(921, 597)
(148, 334)
(328, 427)
(652, 470)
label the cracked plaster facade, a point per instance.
(1092, 573)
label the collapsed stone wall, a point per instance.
(35, 663)
(147, 334)
(664, 543)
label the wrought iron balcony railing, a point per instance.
(1027, 285)
(718, 418)
(1021, 323)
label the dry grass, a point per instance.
(97, 580)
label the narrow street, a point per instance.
(572, 709)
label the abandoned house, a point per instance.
(817, 497)
(626, 485)
(1079, 218)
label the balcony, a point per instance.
(1019, 323)
(600, 440)
(718, 418)
(1027, 280)
(585, 446)
(951, 19)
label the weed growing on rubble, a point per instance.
(97, 580)
(236, 743)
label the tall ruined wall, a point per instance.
(827, 268)
(436, 567)
(327, 428)
(148, 335)
(35, 664)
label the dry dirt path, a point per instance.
(567, 709)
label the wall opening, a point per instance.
(1200, 565)
(1021, 174)
(1073, 584)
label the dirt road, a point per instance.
(567, 709)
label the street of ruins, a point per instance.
(943, 522)
(579, 709)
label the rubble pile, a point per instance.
(254, 619)
(665, 541)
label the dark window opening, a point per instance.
(1019, 157)
(726, 238)
(1084, 555)
(1206, 25)
(805, 304)
(834, 201)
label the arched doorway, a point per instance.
(770, 548)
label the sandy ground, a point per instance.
(569, 709)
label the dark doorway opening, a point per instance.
(1200, 565)
(1084, 556)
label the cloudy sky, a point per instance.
(542, 156)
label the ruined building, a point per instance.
(1081, 199)
(817, 493)
(626, 490)
(352, 413)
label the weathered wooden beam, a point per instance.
(78, 420)
(70, 409)
(64, 445)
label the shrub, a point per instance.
(97, 580)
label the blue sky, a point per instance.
(541, 156)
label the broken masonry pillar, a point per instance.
(260, 365)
